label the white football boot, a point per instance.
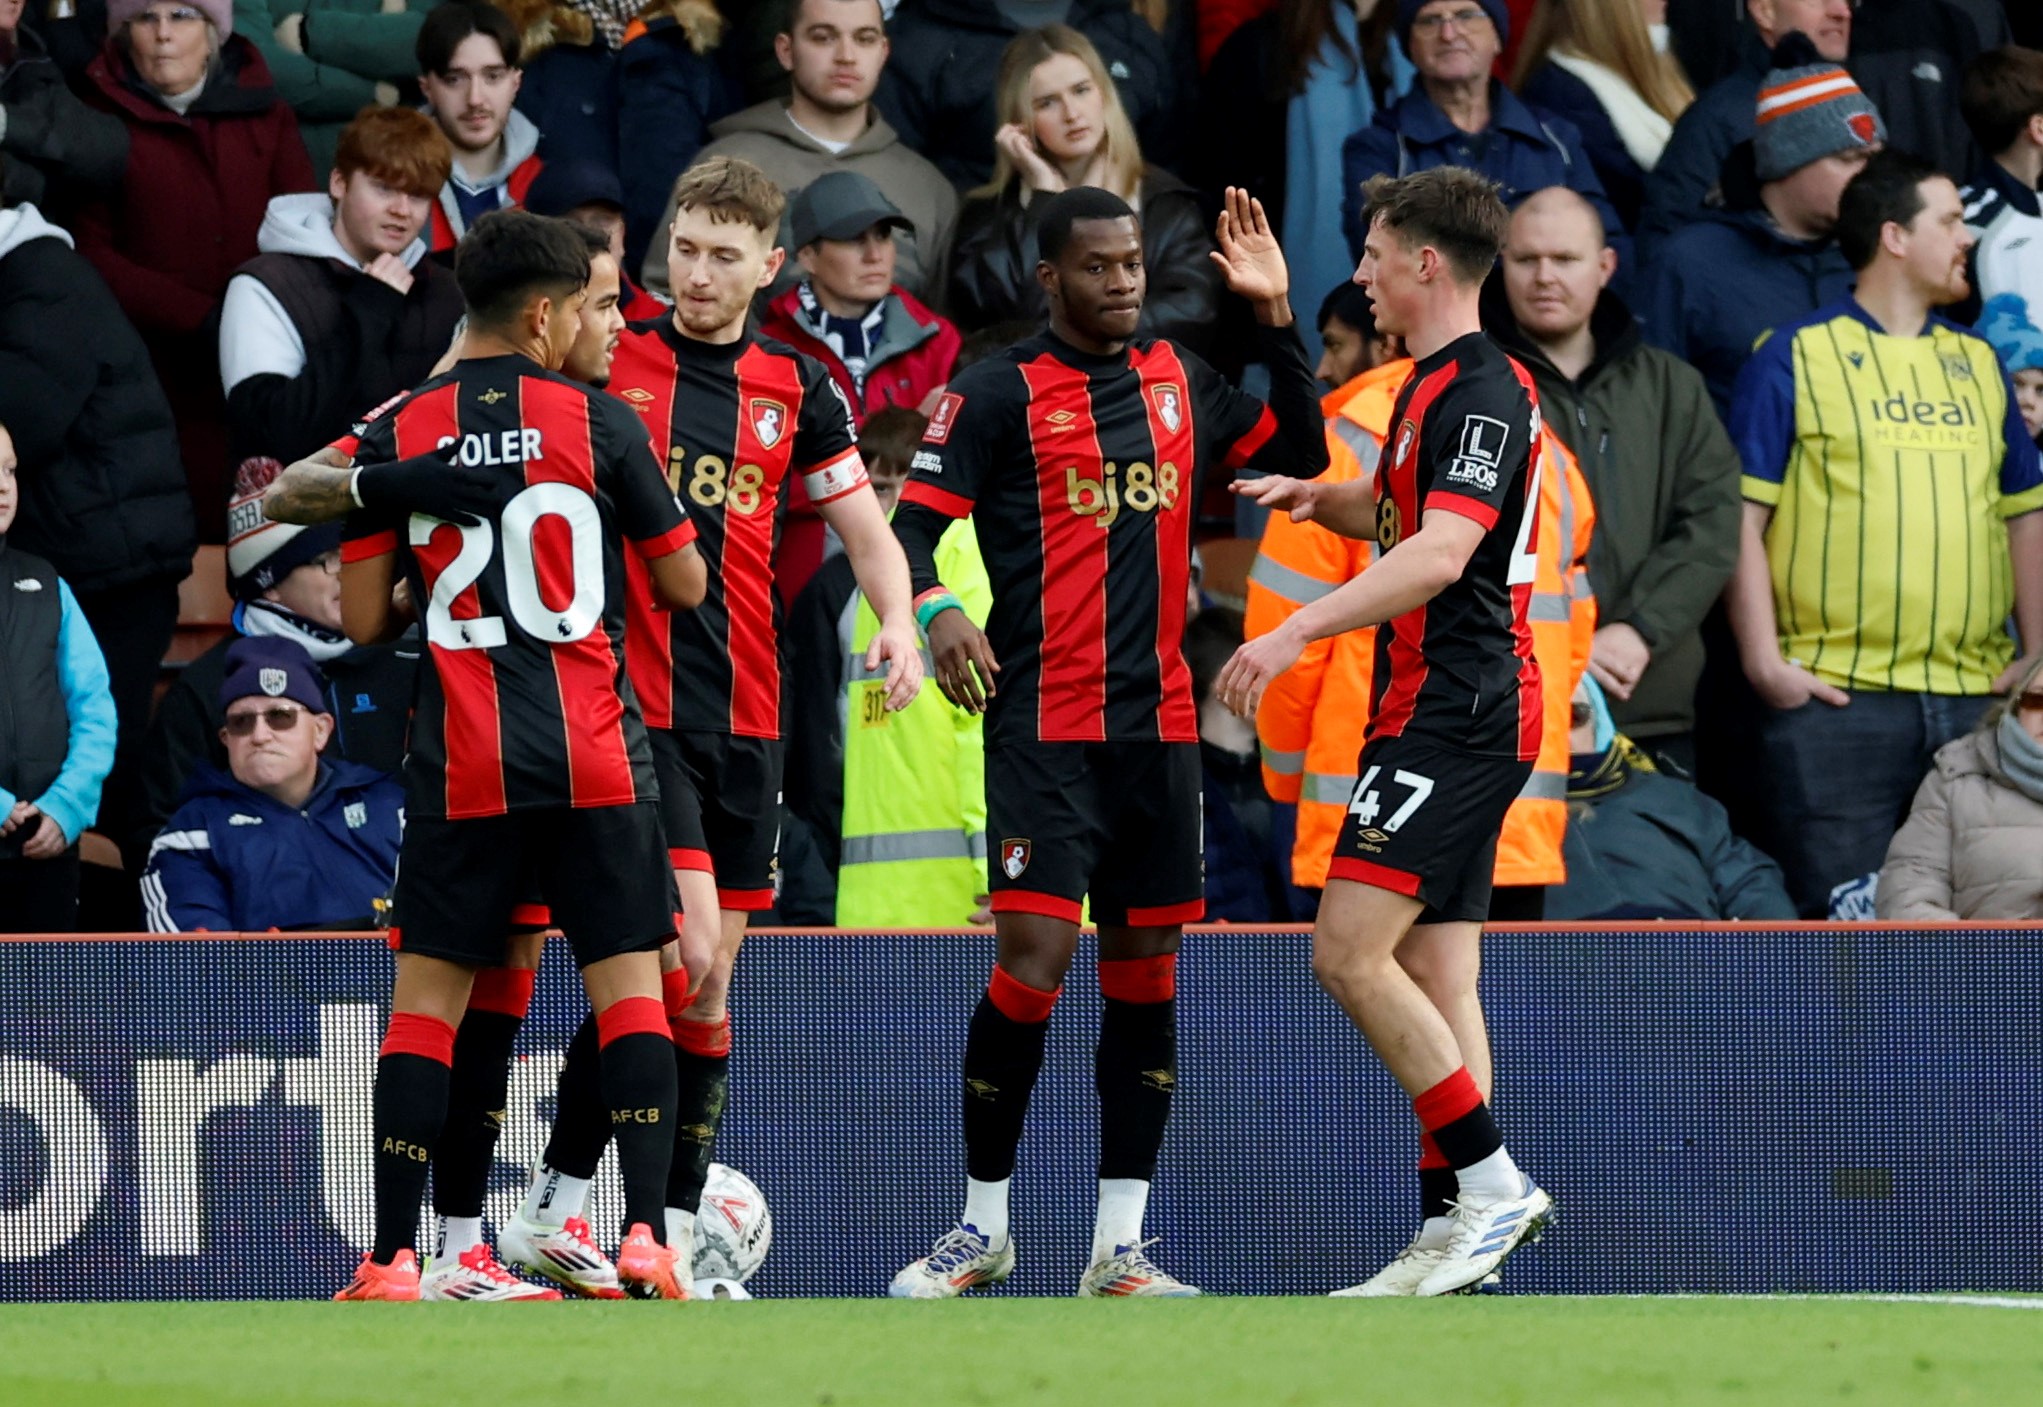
(1130, 1273)
(566, 1255)
(1484, 1236)
(1403, 1275)
(475, 1276)
(961, 1260)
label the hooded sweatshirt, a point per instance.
(765, 135)
(465, 199)
(308, 341)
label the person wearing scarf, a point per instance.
(1972, 847)
(1642, 844)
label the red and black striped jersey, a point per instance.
(732, 422)
(1081, 474)
(1460, 668)
(526, 703)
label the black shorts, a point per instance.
(1423, 821)
(601, 870)
(677, 808)
(720, 796)
(1123, 822)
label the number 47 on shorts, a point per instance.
(1367, 803)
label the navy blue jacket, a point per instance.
(232, 859)
(1523, 151)
(1722, 116)
(1552, 89)
(1716, 285)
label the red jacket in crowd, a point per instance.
(184, 218)
(913, 356)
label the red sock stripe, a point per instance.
(1030, 1006)
(632, 1016)
(1430, 1155)
(505, 990)
(704, 1038)
(1147, 980)
(1447, 1101)
(674, 991)
(412, 1034)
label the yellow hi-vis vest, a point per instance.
(914, 851)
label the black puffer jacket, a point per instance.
(938, 87)
(991, 272)
(103, 493)
(53, 144)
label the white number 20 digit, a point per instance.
(521, 575)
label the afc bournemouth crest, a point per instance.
(769, 421)
(1406, 433)
(1014, 858)
(273, 681)
(1170, 406)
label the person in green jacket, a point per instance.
(332, 58)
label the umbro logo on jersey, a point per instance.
(242, 818)
(492, 396)
(769, 421)
(1060, 420)
(637, 395)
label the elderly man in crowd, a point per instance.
(282, 838)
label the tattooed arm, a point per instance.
(313, 490)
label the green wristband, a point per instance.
(934, 606)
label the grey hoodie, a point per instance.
(767, 137)
(257, 337)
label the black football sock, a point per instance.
(1135, 1066)
(581, 1120)
(638, 1090)
(410, 1105)
(479, 1089)
(702, 1065)
(1003, 1056)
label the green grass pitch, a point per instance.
(1525, 1349)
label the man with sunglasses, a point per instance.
(282, 838)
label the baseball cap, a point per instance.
(562, 186)
(842, 205)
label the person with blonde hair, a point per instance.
(1063, 126)
(1604, 66)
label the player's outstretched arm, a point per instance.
(881, 569)
(1346, 508)
(680, 579)
(312, 490)
(323, 488)
(1403, 579)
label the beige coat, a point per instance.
(1972, 846)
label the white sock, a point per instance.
(1495, 1179)
(1435, 1231)
(458, 1234)
(680, 1224)
(1123, 1200)
(554, 1197)
(986, 1209)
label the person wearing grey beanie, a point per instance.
(1809, 108)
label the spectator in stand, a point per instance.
(1063, 126)
(882, 345)
(281, 839)
(2018, 342)
(936, 95)
(1910, 57)
(1887, 532)
(673, 77)
(577, 93)
(60, 745)
(1692, 163)
(1349, 340)
(1297, 80)
(332, 58)
(209, 144)
(892, 805)
(468, 58)
(342, 310)
(1595, 63)
(588, 194)
(834, 52)
(1970, 846)
(1658, 464)
(1248, 869)
(1770, 255)
(286, 584)
(2003, 104)
(102, 491)
(58, 149)
(1459, 115)
(1642, 845)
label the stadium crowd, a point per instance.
(1777, 276)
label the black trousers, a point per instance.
(39, 896)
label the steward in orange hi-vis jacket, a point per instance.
(1313, 716)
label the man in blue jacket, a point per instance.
(1457, 114)
(281, 839)
(57, 716)
(1770, 256)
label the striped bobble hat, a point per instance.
(1809, 108)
